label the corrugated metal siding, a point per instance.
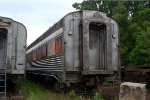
(58, 45)
(53, 63)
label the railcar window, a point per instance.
(58, 45)
(94, 34)
(43, 49)
(1, 44)
(3, 33)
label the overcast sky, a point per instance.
(36, 15)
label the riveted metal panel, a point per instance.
(109, 46)
(71, 38)
(68, 42)
(85, 32)
(20, 47)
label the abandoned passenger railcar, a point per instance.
(12, 51)
(83, 45)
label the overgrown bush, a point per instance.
(97, 96)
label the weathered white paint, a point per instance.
(132, 91)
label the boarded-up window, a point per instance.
(48, 49)
(43, 48)
(51, 48)
(34, 55)
(39, 53)
(58, 45)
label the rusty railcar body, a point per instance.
(82, 45)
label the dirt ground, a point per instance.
(112, 92)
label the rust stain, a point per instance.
(39, 54)
(58, 46)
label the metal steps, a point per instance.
(2, 84)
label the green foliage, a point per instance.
(133, 18)
(116, 98)
(32, 91)
(72, 93)
(112, 83)
(97, 96)
(86, 5)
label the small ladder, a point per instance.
(3, 83)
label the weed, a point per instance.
(32, 91)
(112, 83)
(72, 93)
(97, 96)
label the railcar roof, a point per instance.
(9, 20)
(47, 33)
(56, 26)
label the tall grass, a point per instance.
(32, 91)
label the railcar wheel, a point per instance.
(57, 86)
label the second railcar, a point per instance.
(83, 45)
(12, 53)
(12, 46)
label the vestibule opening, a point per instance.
(97, 46)
(3, 38)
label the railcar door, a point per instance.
(3, 34)
(97, 46)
